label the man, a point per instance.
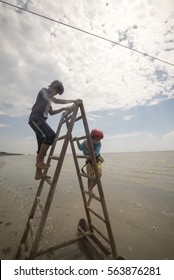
(37, 120)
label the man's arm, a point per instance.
(61, 101)
(53, 112)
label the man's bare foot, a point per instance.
(43, 176)
(42, 165)
(39, 175)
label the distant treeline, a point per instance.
(9, 154)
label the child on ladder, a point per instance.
(96, 136)
(37, 120)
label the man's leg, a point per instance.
(39, 175)
(40, 156)
(45, 137)
(40, 162)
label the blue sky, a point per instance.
(127, 95)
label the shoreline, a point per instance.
(3, 154)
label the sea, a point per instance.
(139, 194)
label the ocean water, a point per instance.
(139, 193)
(143, 191)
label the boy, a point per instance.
(96, 136)
(37, 120)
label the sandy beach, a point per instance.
(139, 192)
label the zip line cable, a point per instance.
(86, 32)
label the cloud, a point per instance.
(159, 142)
(19, 144)
(109, 78)
(168, 140)
(2, 113)
(35, 51)
(125, 135)
(128, 117)
(111, 113)
(92, 117)
(139, 141)
(2, 125)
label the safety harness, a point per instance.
(98, 159)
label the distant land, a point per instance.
(9, 154)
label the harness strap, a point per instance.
(87, 161)
(98, 158)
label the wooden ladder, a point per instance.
(87, 231)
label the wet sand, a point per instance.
(140, 207)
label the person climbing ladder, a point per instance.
(96, 136)
(37, 120)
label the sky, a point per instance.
(128, 95)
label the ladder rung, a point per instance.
(60, 138)
(93, 243)
(67, 118)
(97, 215)
(79, 138)
(101, 234)
(78, 118)
(86, 176)
(48, 181)
(40, 204)
(69, 110)
(59, 246)
(80, 156)
(93, 196)
(31, 229)
(54, 157)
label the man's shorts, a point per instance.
(90, 170)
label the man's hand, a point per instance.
(79, 101)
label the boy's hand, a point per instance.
(86, 144)
(77, 140)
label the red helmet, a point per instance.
(97, 133)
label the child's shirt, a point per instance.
(84, 149)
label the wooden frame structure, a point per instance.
(86, 230)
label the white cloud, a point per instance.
(168, 140)
(111, 113)
(169, 136)
(128, 117)
(2, 125)
(138, 141)
(19, 145)
(92, 117)
(125, 135)
(2, 113)
(35, 51)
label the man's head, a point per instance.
(57, 87)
